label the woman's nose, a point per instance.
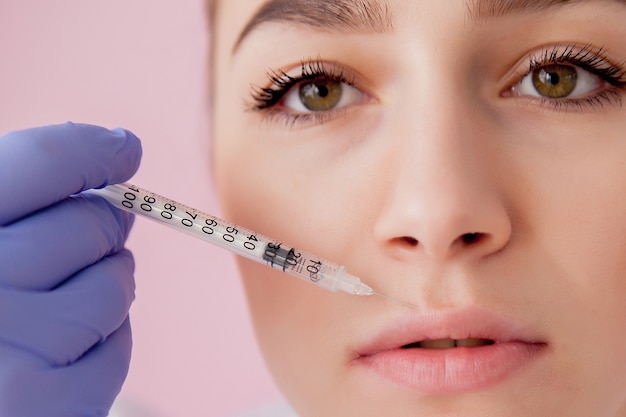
(443, 197)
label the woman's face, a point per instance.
(468, 157)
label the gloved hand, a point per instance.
(66, 281)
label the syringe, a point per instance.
(234, 238)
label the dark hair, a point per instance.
(210, 7)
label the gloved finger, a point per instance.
(44, 249)
(44, 165)
(30, 388)
(61, 325)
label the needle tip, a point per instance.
(395, 300)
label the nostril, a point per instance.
(469, 238)
(405, 241)
(410, 241)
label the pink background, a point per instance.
(141, 64)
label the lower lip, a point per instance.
(451, 371)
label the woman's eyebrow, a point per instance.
(488, 9)
(374, 15)
(328, 15)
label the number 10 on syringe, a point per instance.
(234, 238)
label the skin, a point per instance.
(437, 147)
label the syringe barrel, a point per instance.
(234, 238)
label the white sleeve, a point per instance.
(127, 409)
(281, 409)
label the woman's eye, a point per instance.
(321, 95)
(558, 81)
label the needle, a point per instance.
(395, 300)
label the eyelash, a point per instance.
(589, 59)
(267, 98)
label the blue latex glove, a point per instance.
(66, 281)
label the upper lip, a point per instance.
(468, 323)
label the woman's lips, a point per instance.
(451, 352)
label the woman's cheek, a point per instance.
(292, 322)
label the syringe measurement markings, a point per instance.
(239, 240)
(170, 210)
(274, 254)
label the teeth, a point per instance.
(449, 343)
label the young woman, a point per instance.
(468, 157)
(465, 157)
